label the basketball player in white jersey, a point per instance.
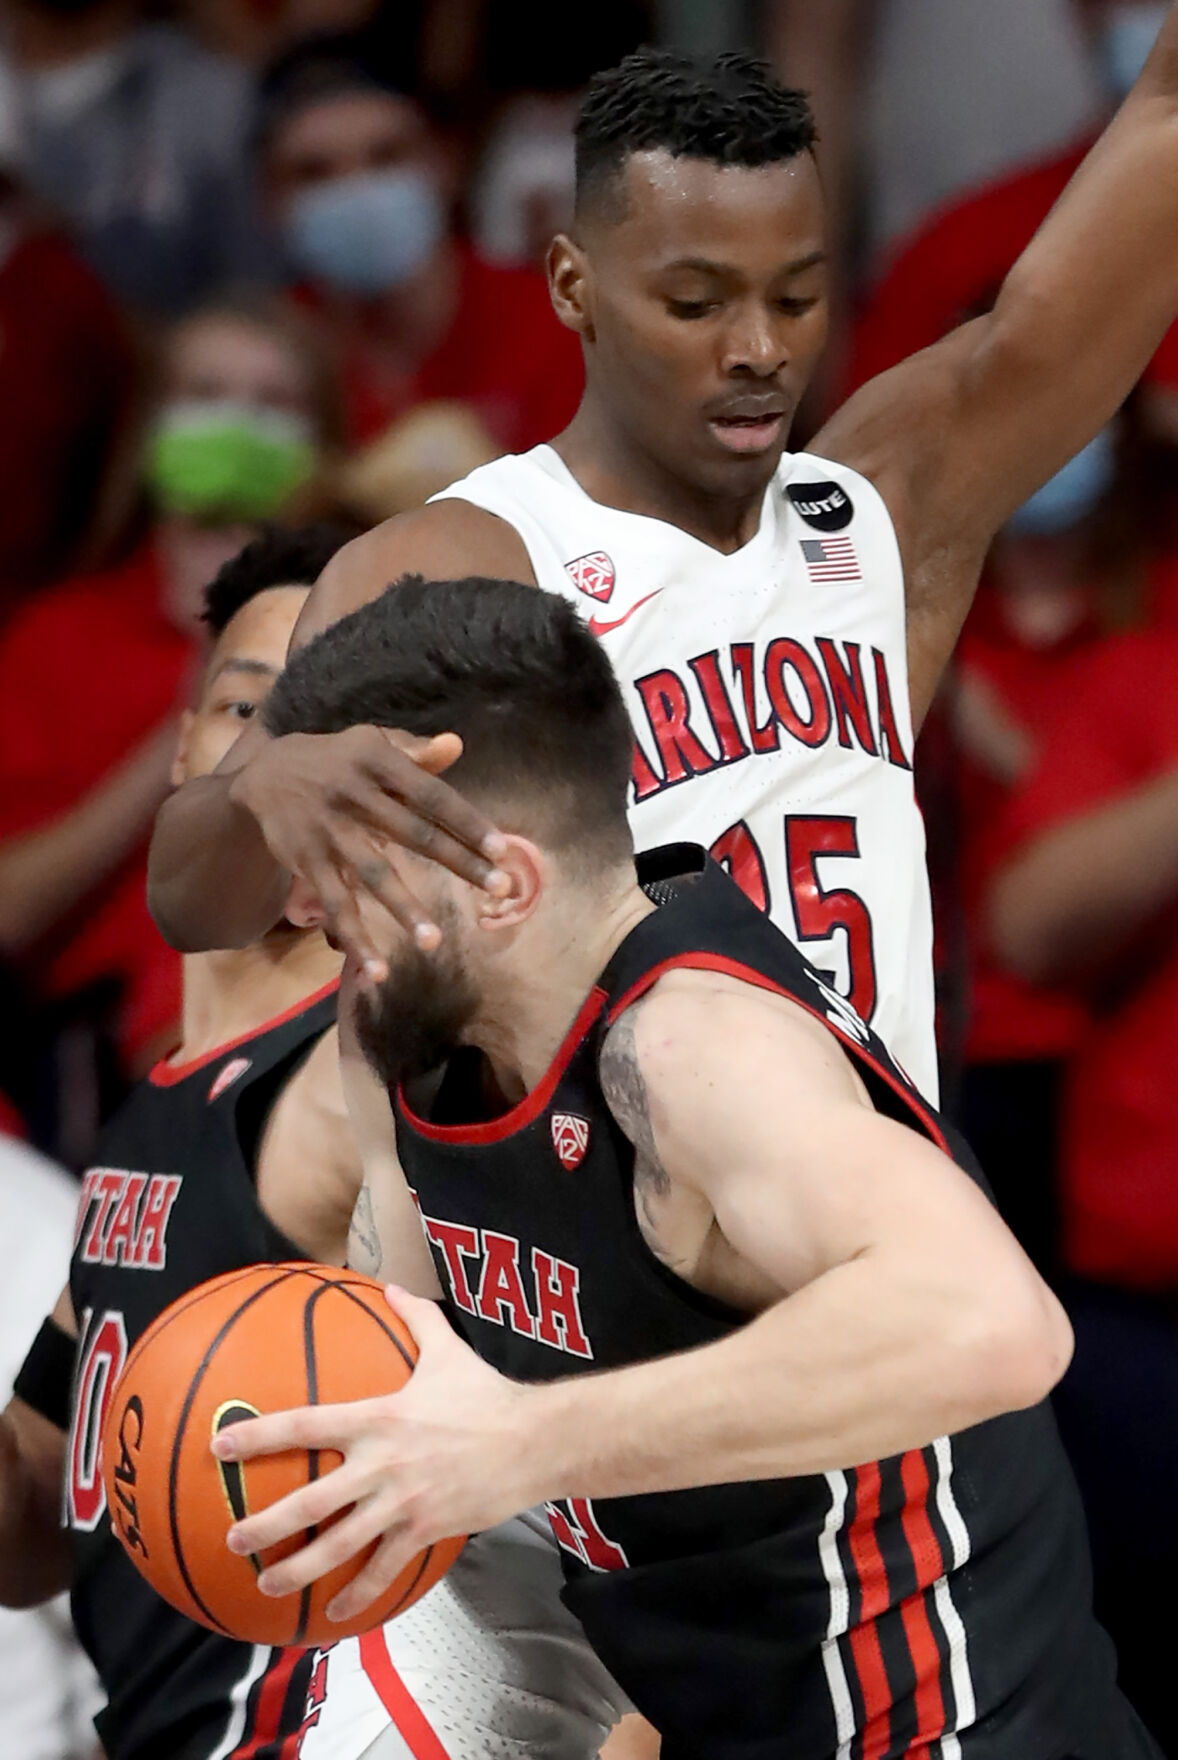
(778, 622)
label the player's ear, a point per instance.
(529, 873)
(568, 284)
(303, 908)
(183, 740)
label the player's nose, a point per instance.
(756, 344)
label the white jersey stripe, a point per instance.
(840, 1614)
(947, 1504)
(239, 1701)
(965, 1702)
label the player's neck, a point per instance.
(553, 971)
(617, 473)
(230, 994)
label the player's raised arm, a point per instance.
(225, 846)
(34, 1547)
(959, 436)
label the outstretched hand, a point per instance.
(329, 805)
(449, 1454)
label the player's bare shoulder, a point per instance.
(446, 540)
(693, 1026)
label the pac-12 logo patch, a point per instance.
(570, 1138)
(225, 1077)
(594, 574)
(824, 506)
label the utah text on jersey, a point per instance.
(485, 1276)
(123, 1218)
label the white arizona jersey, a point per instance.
(769, 695)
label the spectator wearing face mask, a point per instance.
(357, 189)
(953, 266)
(1043, 607)
(137, 137)
(93, 672)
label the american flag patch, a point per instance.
(831, 559)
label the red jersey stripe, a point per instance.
(406, 1713)
(271, 1700)
(926, 1555)
(872, 1579)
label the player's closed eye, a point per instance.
(688, 309)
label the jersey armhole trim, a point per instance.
(731, 968)
(166, 1075)
(527, 1110)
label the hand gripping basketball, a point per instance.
(452, 1451)
(259, 1338)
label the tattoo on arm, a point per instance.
(364, 1252)
(625, 1092)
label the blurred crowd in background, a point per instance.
(282, 259)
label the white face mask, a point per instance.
(1127, 34)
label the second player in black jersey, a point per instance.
(235, 1150)
(744, 1316)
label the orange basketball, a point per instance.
(259, 1340)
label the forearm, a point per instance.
(212, 881)
(34, 1548)
(1078, 896)
(860, 1365)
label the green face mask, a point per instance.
(221, 459)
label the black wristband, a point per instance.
(46, 1378)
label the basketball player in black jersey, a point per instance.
(236, 1149)
(769, 1355)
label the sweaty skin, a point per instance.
(702, 311)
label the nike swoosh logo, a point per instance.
(597, 628)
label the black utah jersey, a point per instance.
(935, 1605)
(172, 1203)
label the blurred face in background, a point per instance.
(233, 438)
(356, 187)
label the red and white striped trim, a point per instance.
(864, 1739)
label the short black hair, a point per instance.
(730, 110)
(511, 669)
(281, 556)
(325, 65)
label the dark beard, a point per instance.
(410, 1024)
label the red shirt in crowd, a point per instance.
(505, 355)
(953, 267)
(88, 670)
(1008, 1018)
(1116, 731)
(65, 374)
